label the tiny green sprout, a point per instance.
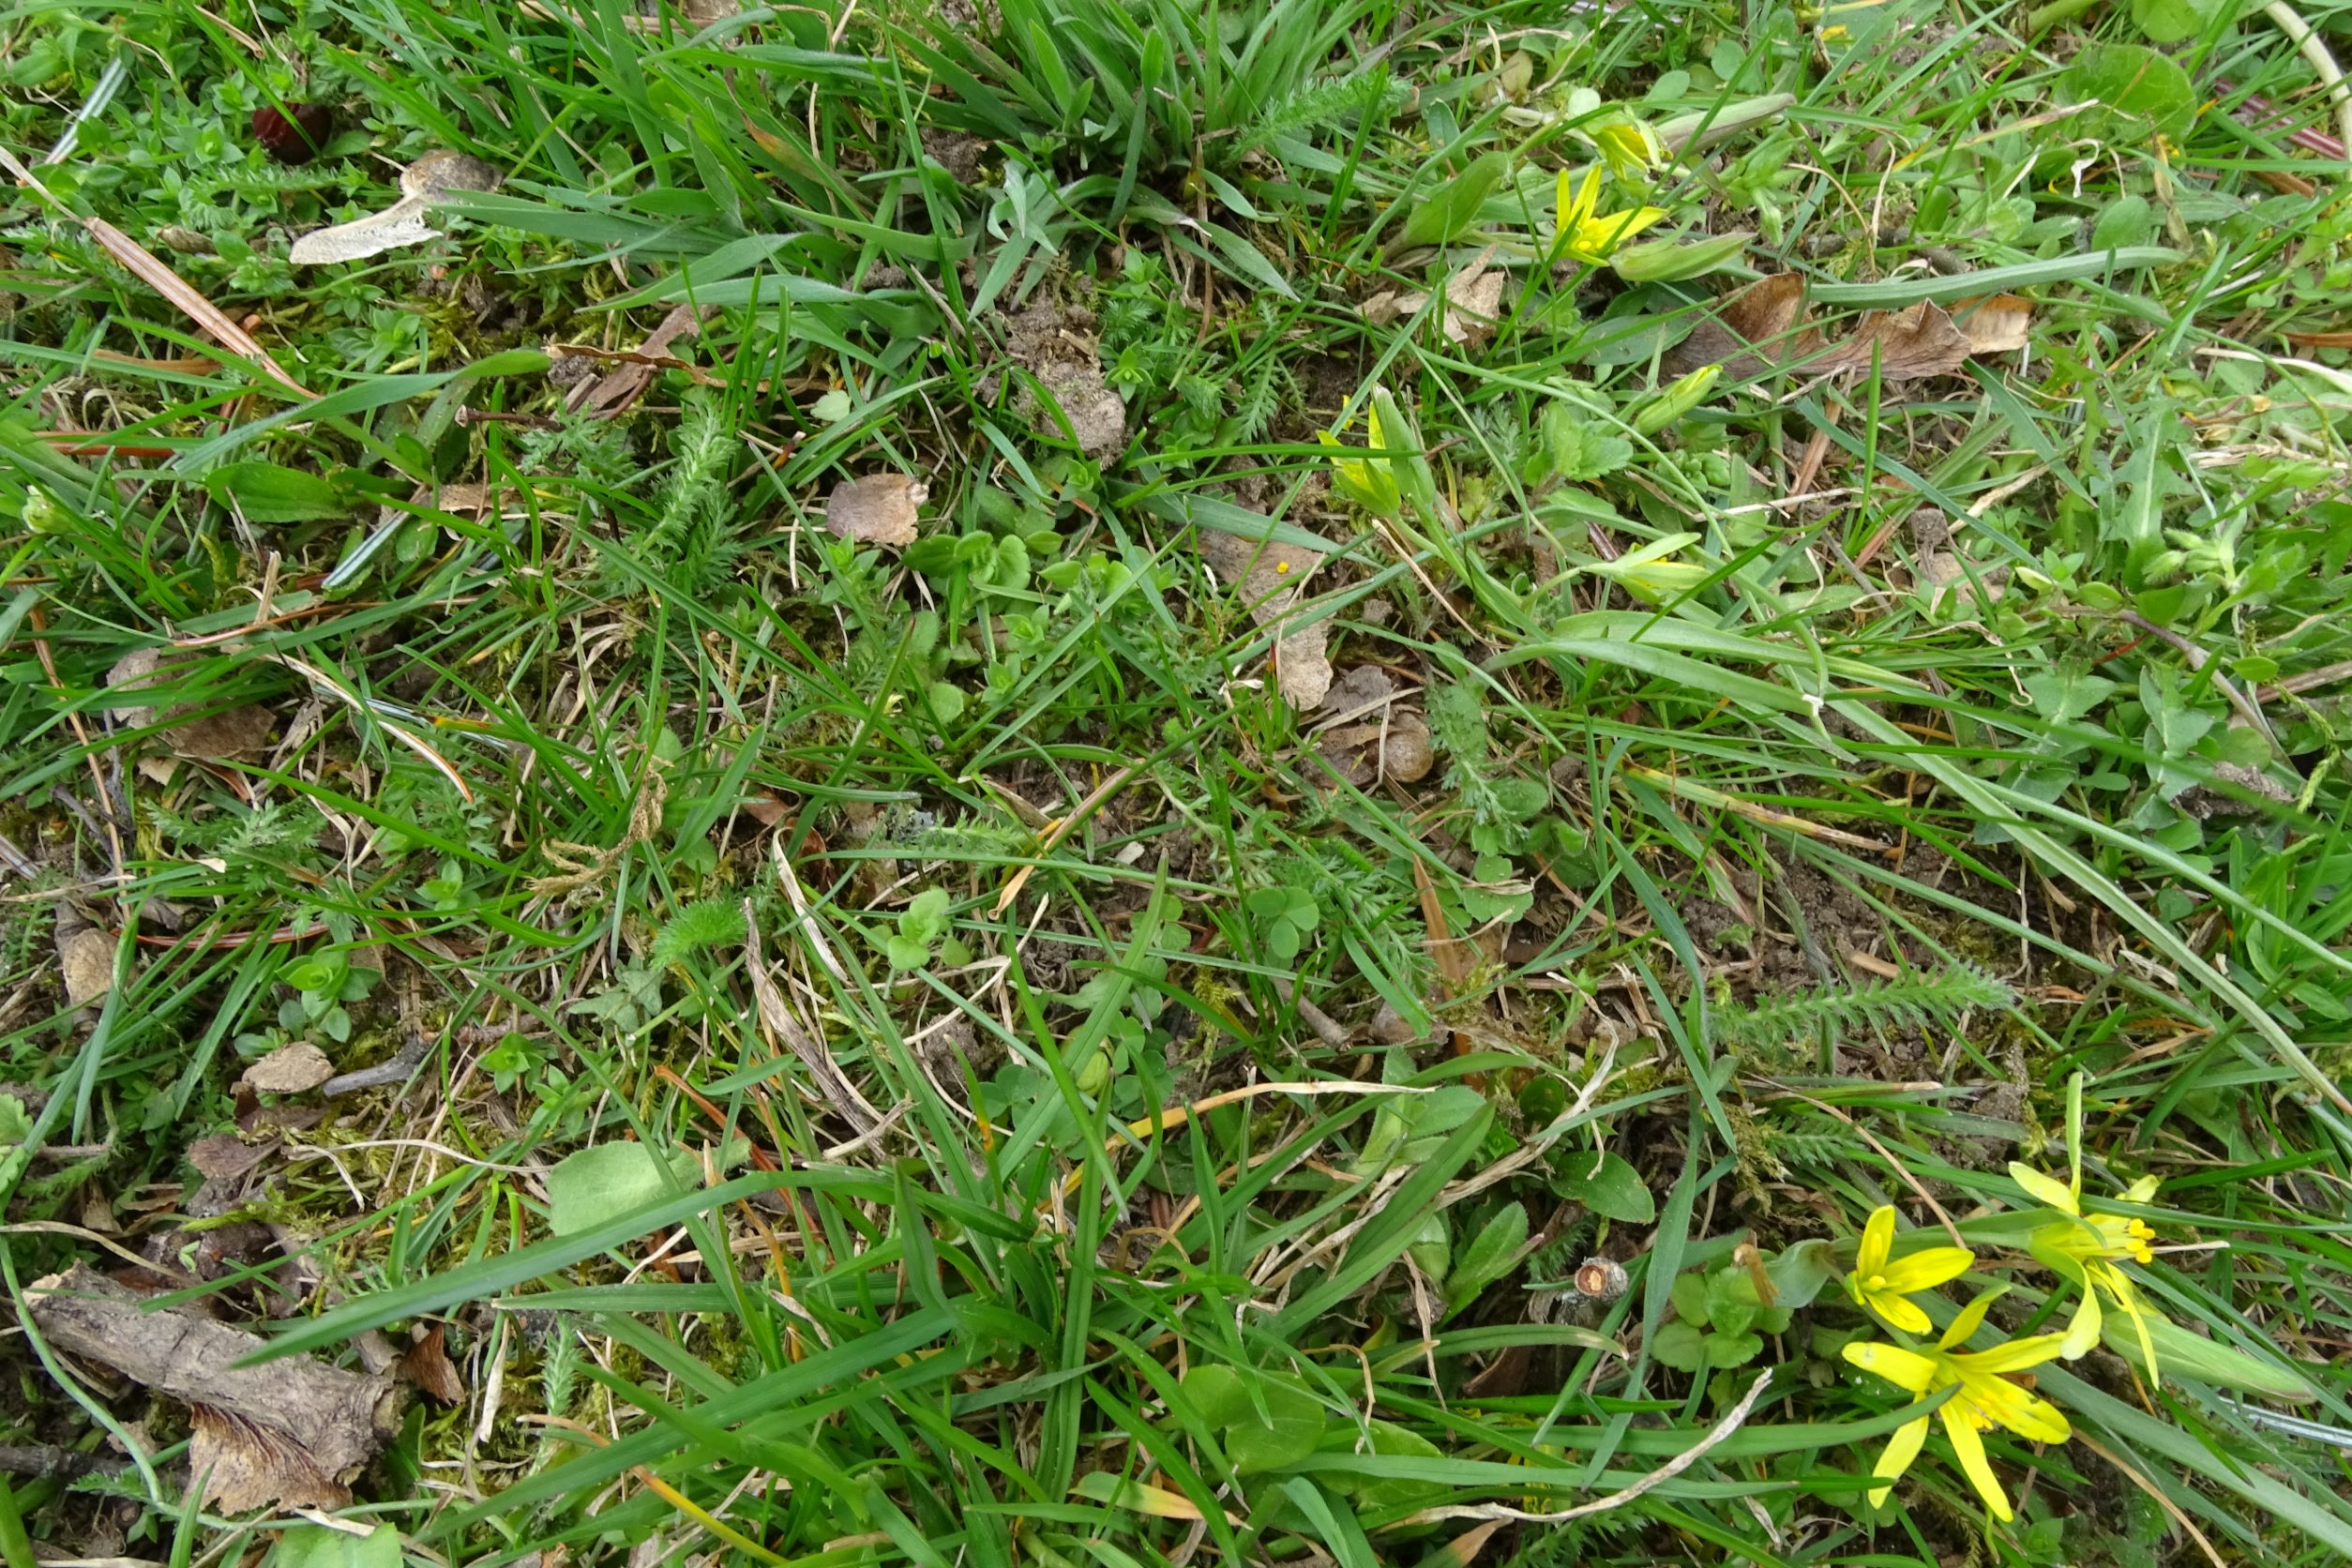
(924, 926)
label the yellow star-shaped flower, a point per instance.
(1884, 1283)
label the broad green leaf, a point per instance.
(1681, 1346)
(1689, 1295)
(1605, 1185)
(317, 1546)
(1452, 209)
(2142, 90)
(1387, 1439)
(1490, 1254)
(2170, 21)
(1798, 1272)
(1732, 1307)
(1292, 1423)
(2193, 1356)
(586, 1187)
(269, 493)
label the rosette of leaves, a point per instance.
(1719, 1324)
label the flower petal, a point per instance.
(1969, 1449)
(1927, 1268)
(1905, 1369)
(2143, 1189)
(2128, 1299)
(2083, 1333)
(2016, 1356)
(1897, 1309)
(1878, 1240)
(1896, 1457)
(2044, 1188)
(1969, 1318)
(2025, 1414)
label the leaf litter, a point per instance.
(1762, 329)
(290, 1434)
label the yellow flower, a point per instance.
(1884, 1283)
(1982, 1399)
(1369, 482)
(1587, 236)
(1630, 148)
(2086, 1250)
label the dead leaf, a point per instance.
(878, 509)
(290, 1434)
(429, 1367)
(294, 1069)
(1996, 324)
(1910, 344)
(1272, 576)
(1473, 303)
(1762, 315)
(444, 171)
(1057, 345)
(620, 388)
(422, 184)
(1360, 690)
(237, 732)
(1463, 1549)
(85, 959)
(225, 1157)
(1403, 742)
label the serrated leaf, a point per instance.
(1733, 1350)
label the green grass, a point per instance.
(1143, 1129)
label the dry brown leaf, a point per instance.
(429, 1367)
(247, 1465)
(878, 509)
(1359, 690)
(1473, 303)
(1057, 344)
(231, 733)
(290, 1434)
(1402, 743)
(85, 961)
(294, 1069)
(1996, 324)
(1910, 344)
(225, 1157)
(622, 388)
(1271, 577)
(1761, 316)
(422, 182)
